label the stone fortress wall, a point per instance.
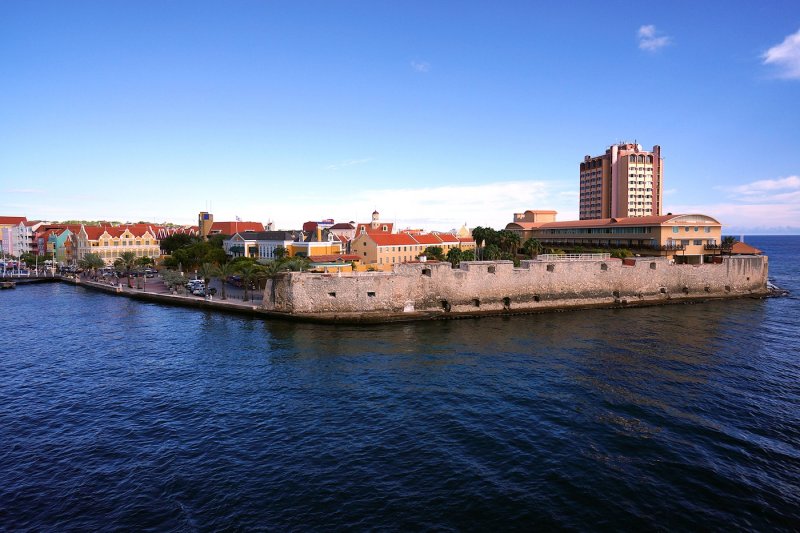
(491, 287)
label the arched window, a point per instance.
(641, 159)
(650, 159)
(632, 158)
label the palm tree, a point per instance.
(127, 260)
(207, 271)
(92, 262)
(271, 271)
(532, 247)
(508, 241)
(223, 272)
(492, 252)
(727, 243)
(454, 255)
(247, 271)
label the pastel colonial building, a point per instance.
(109, 242)
(295, 243)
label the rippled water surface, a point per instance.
(115, 414)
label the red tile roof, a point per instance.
(427, 239)
(12, 220)
(654, 220)
(447, 237)
(741, 248)
(385, 239)
(231, 228)
(343, 225)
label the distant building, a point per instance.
(109, 242)
(207, 226)
(263, 244)
(626, 181)
(688, 238)
(389, 249)
(375, 226)
(204, 222)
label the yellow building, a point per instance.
(109, 242)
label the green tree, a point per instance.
(28, 258)
(492, 252)
(454, 255)
(176, 242)
(145, 261)
(206, 272)
(434, 252)
(127, 261)
(727, 243)
(224, 271)
(91, 262)
(247, 272)
(467, 255)
(532, 247)
(508, 241)
(271, 272)
(280, 253)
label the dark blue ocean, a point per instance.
(121, 415)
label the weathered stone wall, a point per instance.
(486, 286)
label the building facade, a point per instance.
(109, 242)
(687, 238)
(626, 181)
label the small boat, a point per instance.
(7, 284)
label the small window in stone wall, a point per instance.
(507, 303)
(492, 269)
(652, 266)
(371, 294)
(426, 272)
(476, 302)
(332, 294)
(603, 267)
(551, 268)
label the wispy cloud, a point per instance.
(439, 207)
(651, 39)
(348, 163)
(25, 191)
(761, 203)
(767, 191)
(785, 56)
(421, 66)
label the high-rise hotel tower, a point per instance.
(626, 181)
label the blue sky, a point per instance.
(435, 113)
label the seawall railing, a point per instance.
(572, 257)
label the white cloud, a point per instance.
(651, 40)
(421, 66)
(786, 56)
(767, 191)
(348, 163)
(762, 203)
(432, 208)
